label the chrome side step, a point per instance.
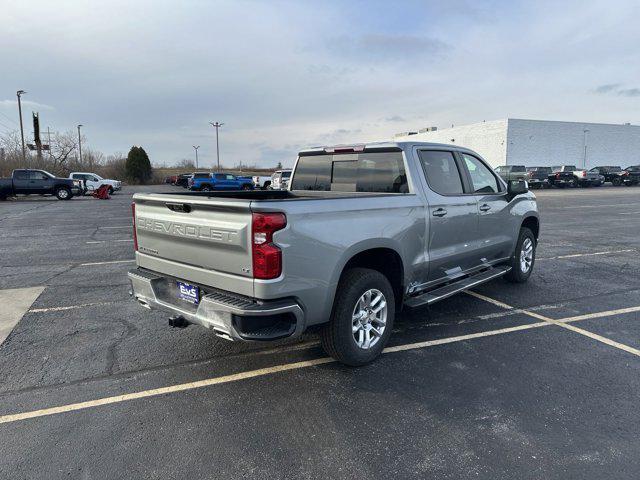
(447, 291)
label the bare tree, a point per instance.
(63, 145)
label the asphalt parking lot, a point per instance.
(540, 380)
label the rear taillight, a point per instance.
(267, 257)
(558, 175)
(135, 234)
(584, 173)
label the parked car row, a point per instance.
(562, 176)
(40, 182)
(207, 181)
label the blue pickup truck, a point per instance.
(220, 181)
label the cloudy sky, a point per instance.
(285, 75)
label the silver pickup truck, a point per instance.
(362, 232)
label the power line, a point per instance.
(9, 118)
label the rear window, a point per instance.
(286, 174)
(518, 168)
(201, 175)
(376, 172)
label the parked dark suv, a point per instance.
(610, 173)
(631, 175)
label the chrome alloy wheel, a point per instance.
(526, 255)
(63, 193)
(369, 318)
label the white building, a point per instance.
(542, 142)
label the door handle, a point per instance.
(439, 212)
(485, 208)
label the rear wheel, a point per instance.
(205, 188)
(616, 181)
(523, 257)
(362, 317)
(246, 186)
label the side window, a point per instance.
(38, 176)
(220, 176)
(230, 177)
(441, 171)
(482, 178)
(21, 175)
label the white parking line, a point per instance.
(110, 241)
(594, 206)
(111, 262)
(628, 213)
(309, 363)
(69, 307)
(563, 322)
(113, 228)
(576, 255)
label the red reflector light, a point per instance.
(135, 234)
(267, 257)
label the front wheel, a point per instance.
(523, 258)
(63, 193)
(362, 317)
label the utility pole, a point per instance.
(24, 152)
(196, 149)
(217, 125)
(49, 140)
(79, 144)
(36, 136)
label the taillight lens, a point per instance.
(267, 257)
(135, 234)
(558, 175)
(584, 173)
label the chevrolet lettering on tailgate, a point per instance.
(188, 230)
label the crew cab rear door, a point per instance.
(495, 238)
(452, 217)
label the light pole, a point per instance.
(217, 125)
(79, 144)
(584, 159)
(196, 149)
(24, 152)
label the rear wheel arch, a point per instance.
(385, 260)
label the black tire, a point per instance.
(246, 186)
(517, 273)
(63, 193)
(110, 190)
(205, 188)
(616, 182)
(337, 337)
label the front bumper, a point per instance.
(229, 315)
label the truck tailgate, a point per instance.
(198, 239)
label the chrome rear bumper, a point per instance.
(231, 316)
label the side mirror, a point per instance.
(517, 187)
